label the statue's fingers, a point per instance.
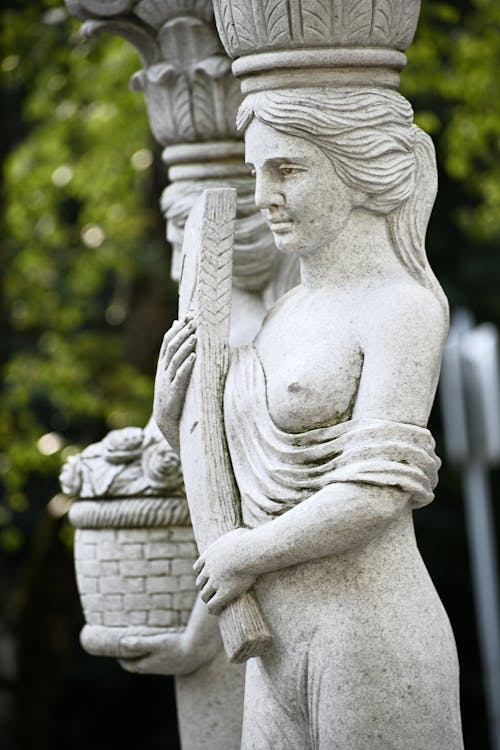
(133, 647)
(182, 354)
(174, 328)
(199, 564)
(217, 603)
(183, 374)
(207, 593)
(145, 645)
(175, 342)
(148, 643)
(201, 580)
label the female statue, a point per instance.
(325, 416)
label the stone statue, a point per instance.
(326, 409)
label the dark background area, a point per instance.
(86, 296)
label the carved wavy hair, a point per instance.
(371, 140)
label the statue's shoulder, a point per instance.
(288, 300)
(406, 307)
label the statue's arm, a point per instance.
(402, 334)
(172, 652)
(402, 346)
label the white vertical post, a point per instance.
(480, 526)
(470, 402)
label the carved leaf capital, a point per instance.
(246, 28)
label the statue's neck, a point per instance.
(361, 252)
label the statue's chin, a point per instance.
(288, 244)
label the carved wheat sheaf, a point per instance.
(214, 504)
(216, 271)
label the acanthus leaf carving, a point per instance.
(137, 34)
(163, 73)
(214, 67)
(185, 40)
(278, 24)
(226, 26)
(245, 23)
(102, 7)
(384, 17)
(183, 109)
(204, 112)
(407, 26)
(317, 22)
(138, 81)
(181, 53)
(358, 20)
(262, 25)
(157, 12)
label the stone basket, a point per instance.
(134, 568)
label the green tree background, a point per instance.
(86, 296)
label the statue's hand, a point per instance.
(166, 653)
(175, 653)
(175, 365)
(221, 577)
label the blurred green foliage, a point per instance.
(452, 81)
(454, 62)
(78, 233)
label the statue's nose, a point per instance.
(267, 193)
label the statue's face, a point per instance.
(175, 236)
(303, 200)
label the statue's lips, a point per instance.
(280, 225)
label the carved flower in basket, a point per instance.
(162, 470)
(123, 446)
(71, 477)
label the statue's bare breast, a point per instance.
(312, 359)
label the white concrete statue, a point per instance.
(325, 419)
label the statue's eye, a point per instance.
(288, 171)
